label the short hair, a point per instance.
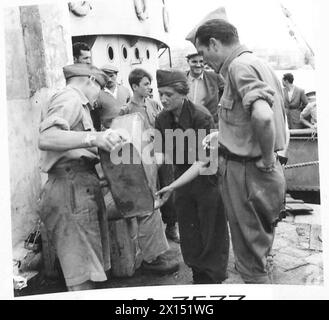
(288, 77)
(219, 29)
(180, 87)
(192, 55)
(136, 76)
(77, 47)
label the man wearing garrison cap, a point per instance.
(252, 129)
(202, 224)
(112, 98)
(72, 206)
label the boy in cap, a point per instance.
(112, 98)
(202, 224)
(71, 205)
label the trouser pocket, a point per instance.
(266, 192)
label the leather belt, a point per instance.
(234, 157)
(76, 165)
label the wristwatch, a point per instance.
(89, 139)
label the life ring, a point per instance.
(165, 17)
(141, 9)
(80, 8)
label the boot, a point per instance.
(160, 265)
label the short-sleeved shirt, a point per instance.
(68, 110)
(149, 110)
(193, 119)
(247, 79)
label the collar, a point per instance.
(185, 117)
(234, 54)
(107, 90)
(84, 99)
(200, 77)
(133, 101)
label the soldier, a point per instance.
(72, 206)
(252, 129)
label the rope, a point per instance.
(302, 164)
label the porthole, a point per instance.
(110, 53)
(124, 52)
(137, 53)
(148, 54)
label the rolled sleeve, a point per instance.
(249, 86)
(64, 112)
(205, 124)
(307, 110)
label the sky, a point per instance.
(260, 23)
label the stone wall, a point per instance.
(37, 46)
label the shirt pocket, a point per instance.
(232, 111)
(225, 108)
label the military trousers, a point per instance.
(253, 200)
(73, 211)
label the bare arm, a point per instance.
(188, 175)
(185, 178)
(305, 122)
(55, 139)
(305, 113)
(263, 125)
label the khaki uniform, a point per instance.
(252, 199)
(72, 206)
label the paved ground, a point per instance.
(297, 254)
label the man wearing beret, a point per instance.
(112, 98)
(71, 205)
(252, 129)
(206, 87)
(202, 224)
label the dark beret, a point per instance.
(85, 70)
(167, 77)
